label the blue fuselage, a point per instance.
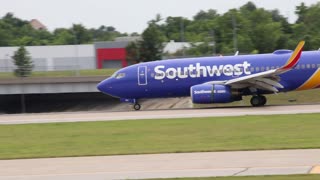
(173, 78)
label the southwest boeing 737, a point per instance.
(217, 79)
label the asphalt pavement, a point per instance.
(155, 114)
(237, 163)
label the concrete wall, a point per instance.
(50, 58)
(48, 88)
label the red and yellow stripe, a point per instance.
(312, 82)
(294, 57)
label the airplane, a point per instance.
(222, 79)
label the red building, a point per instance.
(111, 54)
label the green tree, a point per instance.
(5, 36)
(23, 61)
(174, 28)
(17, 32)
(133, 53)
(105, 33)
(301, 11)
(81, 34)
(151, 46)
(206, 15)
(307, 27)
(63, 36)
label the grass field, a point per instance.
(290, 177)
(160, 136)
(93, 72)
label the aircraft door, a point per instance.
(142, 75)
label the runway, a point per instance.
(156, 114)
(237, 163)
(240, 163)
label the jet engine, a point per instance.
(213, 93)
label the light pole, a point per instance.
(6, 59)
(213, 42)
(182, 36)
(23, 100)
(76, 52)
(77, 60)
(235, 41)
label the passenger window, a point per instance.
(262, 68)
(303, 66)
(252, 69)
(267, 68)
(313, 66)
(120, 75)
(318, 65)
(308, 66)
(298, 67)
(257, 69)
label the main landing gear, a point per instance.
(136, 106)
(258, 100)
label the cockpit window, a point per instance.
(120, 75)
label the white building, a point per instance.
(75, 57)
(172, 46)
(50, 58)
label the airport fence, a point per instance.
(57, 71)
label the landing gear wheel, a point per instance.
(263, 100)
(255, 101)
(136, 106)
(258, 101)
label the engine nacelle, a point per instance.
(212, 93)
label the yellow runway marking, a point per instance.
(315, 170)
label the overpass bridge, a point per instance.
(49, 85)
(52, 94)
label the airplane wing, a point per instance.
(268, 80)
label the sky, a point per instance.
(128, 15)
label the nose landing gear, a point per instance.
(136, 106)
(258, 100)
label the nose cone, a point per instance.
(100, 86)
(105, 86)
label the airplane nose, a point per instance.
(104, 86)
(100, 86)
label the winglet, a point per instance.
(293, 60)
